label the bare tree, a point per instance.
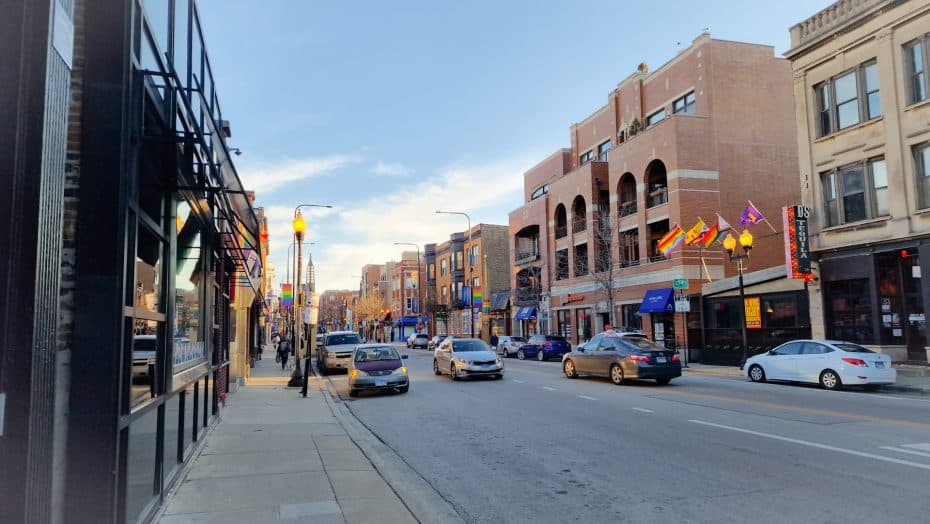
(605, 260)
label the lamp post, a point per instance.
(468, 222)
(729, 243)
(419, 287)
(300, 227)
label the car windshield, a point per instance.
(518, 339)
(421, 336)
(853, 348)
(376, 353)
(338, 340)
(469, 345)
(555, 338)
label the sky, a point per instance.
(390, 110)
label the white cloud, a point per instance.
(391, 169)
(267, 178)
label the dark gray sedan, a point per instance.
(621, 358)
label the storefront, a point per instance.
(659, 304)
(876, 298)
(497, 319)
(525, 317)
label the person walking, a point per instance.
(284, 350)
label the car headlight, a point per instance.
(359, 373)
(499, 361)
(400, 371)
(463, 361)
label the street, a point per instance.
(538, 447)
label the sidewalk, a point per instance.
(914, 379)
(277, 457)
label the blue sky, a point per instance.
(391, 110)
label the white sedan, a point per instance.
(830, 363)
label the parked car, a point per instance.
(830, 363)
(418, 340)
(336, 351)
(620, 358)
(143, 355)
(507, 345)
(377, 367)
(466, 357)
(544, 347)
(435, 341)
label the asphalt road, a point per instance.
(538, 447)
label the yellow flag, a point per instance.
(695, 232)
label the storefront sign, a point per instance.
(682, 305)
(797, 241)
(574, 298)
(753, 308)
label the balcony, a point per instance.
(657, 197)
(579, 225)
(524, 257)
(627, 208)
(561, 231)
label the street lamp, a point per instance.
(300, 227)
(471, 316)
(419, 287)
(729, 243)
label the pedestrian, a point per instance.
(284, 351)
(494, 341)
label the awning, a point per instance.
(525, 313)
(499, 300)
(658, 301)
(408, 320)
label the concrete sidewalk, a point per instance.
(914, 379)
(277, 457)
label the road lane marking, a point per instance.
(547, 388)
(519, 381)
(814, 445)
(644, 410)
(910, 451)
(812, 411)
(586, 397)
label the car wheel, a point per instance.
(504, 353)
(830, 379)
(521, 355)
(756, 373)
(663, 381)
(541, 355)
(569, 368)
(353, 392)
(453, 373)
(436, 368)
(616, 374)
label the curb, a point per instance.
(921, 390)
(423, 501)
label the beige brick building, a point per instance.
(862, 108)
(702, 134)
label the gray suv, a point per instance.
(336, 351)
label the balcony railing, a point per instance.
(522, 257)
(658, 196)
(561, 231)
(627, 208)
(579, 225)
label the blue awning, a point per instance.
(525, 313)
(409, 320)
(658, 301)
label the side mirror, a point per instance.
(405, 356)
(771, 352)
(581, 349)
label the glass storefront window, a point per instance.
(780, 312)
(849, 303)
(190, 423)
(148, 286)
(890, 301)
(145, 345)
(630, 317)
(172, 427)
(188, 347)
(564, 319)
(140, 464)
(583, 321)
(724, 314)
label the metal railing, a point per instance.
(579, 225)
(627, 208)
(561, 231)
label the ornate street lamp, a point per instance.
(300, 227)
(729, 243)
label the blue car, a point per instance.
(544, 347)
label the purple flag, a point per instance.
(750, 216)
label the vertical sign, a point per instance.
(753, 310)
(287, 295)
(797, 241)
(476, 297)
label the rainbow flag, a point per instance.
(287, 295)
(476, 297)
(714, 234)
(696, 232)
(671, 240)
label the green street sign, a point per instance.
(680, 283)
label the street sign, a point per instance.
(680, 283)
(682, 305)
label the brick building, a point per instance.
(405, 281)
(861, 89)
(478, 259)
(335, 309)
(702, 134)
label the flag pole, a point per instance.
(763, 218)
(704, 265)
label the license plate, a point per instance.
(879, 364)
(661, 360)
(381, 382)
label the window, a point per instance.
(432, 271)
(561, 264)
(458, 261)
(581, 260)
(586, 157)
(443, 267)
(629, 248)
(655, 118)
(922, 171)
(473, 256)
(812, 348)
(791, 348)
(539, 192)
(848, 99)
(445, 292)
(408, 304)
(848, 304)
(684, 104)
(602, 151)
(856, 192)
(916, 74)
(475, 282)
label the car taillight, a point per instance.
(548, 344)
(854, 361)
(639, 358)
(676, 358)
